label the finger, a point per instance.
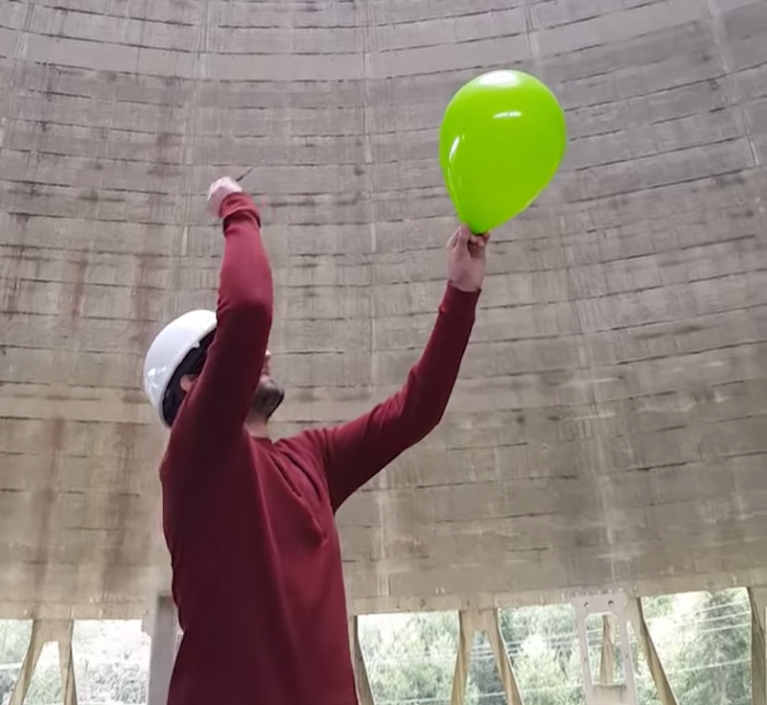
(464, 235)
(477, 248)
(476, 244)
(452, 240)
(480, 242)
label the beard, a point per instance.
(268, 397)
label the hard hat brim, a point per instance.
(192, 363)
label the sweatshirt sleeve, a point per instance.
(354, 452)
(214, 412)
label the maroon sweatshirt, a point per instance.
(257, 573)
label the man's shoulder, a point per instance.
(182, 456)
(308, 442)
(306, 438)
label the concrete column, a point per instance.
(364, 691)
(163, 653)
(758, 599)
(43, 632)
(607, 660)
(636, 615)
(614, 605)
(471, 622)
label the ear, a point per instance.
(187, 382)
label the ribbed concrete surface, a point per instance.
(609, 426)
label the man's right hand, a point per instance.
(218, 191)
(466, 259)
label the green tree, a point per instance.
(541, 677)
(704, 645)
(714, 668)
(45, 686)
(416, 663)
(542, 645)
(111, 661)
(14, 639)
(658, 607)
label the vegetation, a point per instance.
(703, 640)
(111, 664)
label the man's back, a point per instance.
(257, 579)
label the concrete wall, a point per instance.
(608, 428)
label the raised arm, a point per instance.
(354, 452)
(216, 407)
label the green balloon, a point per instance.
(502, 138)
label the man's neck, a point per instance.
(257, 427)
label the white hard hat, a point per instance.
(169, 350)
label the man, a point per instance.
(257, 574)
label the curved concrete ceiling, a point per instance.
(608, 428)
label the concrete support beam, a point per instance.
(364, 691)
(44, 632)
(471, 622)
(758, 598)
(163, 653)
(636, 615)
(607, 657)
(606, 692)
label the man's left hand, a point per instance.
(466, 259)
(218, 192)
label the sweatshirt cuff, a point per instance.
(239, 202)
(460, 301)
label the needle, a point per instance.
(242, 176)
